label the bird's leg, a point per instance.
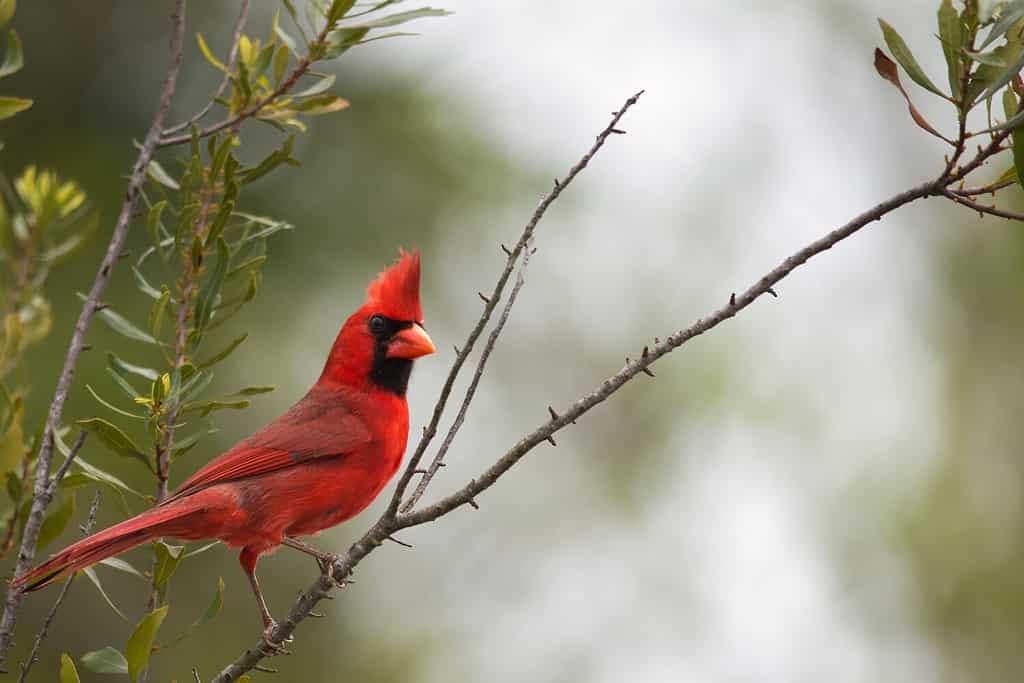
(324, 559)
(248, 561)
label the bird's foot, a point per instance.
(269, 646)
(326, 563)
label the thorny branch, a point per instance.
(392, 521)
(30, 535)
(45, 628)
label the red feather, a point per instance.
(320, 463)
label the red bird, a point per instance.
(319, 464)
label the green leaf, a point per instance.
(212, 611)
(219, 221)
(156, 313)
(254, 390)
(205, 49)
(320, 86)
(9, 106)
(144, 286)
(168, 557)
(57, 519)
(321, 104)
(90, 572)
(196, 385)
(207, 407)
(111, 406)
(140, 644)
(118, 323)
(210, 289)
(906, 58)
(123, 384)
(122, 566)
(262, 61)
(403, 17)
(950, 36)
(281, 58)
(123, 367)
(104, 477)
(1005, 77)
(68, 672)
(154, 224)
(13, 58)
(1018, 140)
(201, 549)
(1008, 17)
(185, 445)
(223, 353)
(339, 8)
(115, 439)
(7, 8)
(105, 661)
(987, 58)
(251, 263)
(157, 173)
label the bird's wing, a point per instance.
(315, 427)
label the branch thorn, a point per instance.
(505, 249)
(473, 504)
(732, 299)
(617, 131)
(647, 371)
(484, 298)
(399, 542)
(551, 440)
(772, 292)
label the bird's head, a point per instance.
(379, 342)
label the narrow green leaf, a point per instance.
(90, 572)
(281, 59)
(68, 672)
(325, 82)
(949, 34)
(122, 367)
(1008, 17)
(123, 384)
(156, 313)
(1018, 145)
(118, 323)
(7, 8)
(212, 611)
(906, 58)
(220, 156)
(289, 42)
(224, 353)
(105, 661)
(403, 17)
(168, 557)
(13, 58)
(9, 106)
(110, 406)
(1005, 77)
(157, 173)
(219, 221)
(140, 644)
(262, 61)
(207, 407)
(143, 285)
(115, 439)
(201, 549)
(196, 385)
(122, 566)
(205, 49)
(339, 8)
(210, 289)
(104, 477)
(251, 263)
(254, 390)
(321, 104)
(987, 58)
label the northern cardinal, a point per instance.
(319, 464)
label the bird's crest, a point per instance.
(395, 293)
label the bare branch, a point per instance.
(243, 15)
(45, 628)
(491, 302)
(983, 208)
(492, 339)
(66, 465)
(30, 535)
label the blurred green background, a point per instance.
(827, 487)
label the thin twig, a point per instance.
(66, 465)
(492, 301)
(30, 536)
(492, 339)
(983, 208)
(41, 636)
(243, 15)
(991, 188)
(300, 70)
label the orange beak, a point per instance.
(412, 342)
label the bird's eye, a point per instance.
(377, 324)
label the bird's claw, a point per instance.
(271, 648)
(327, 569)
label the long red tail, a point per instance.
(153, 523)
